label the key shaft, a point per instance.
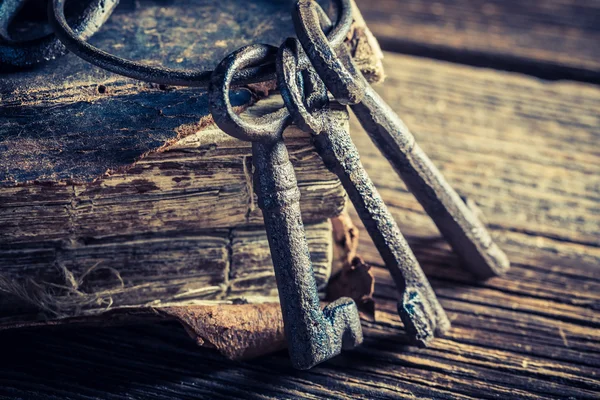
(420, 311)
(313, 335)
(465, 233)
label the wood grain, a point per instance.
(525, 151)
(554, 39)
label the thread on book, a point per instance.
(65, 299)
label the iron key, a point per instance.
(419, 309)
(462, 229)
(313, 335)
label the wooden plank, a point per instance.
(555, 39)
(524, 151)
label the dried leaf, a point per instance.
(357, 282)
(238, 331)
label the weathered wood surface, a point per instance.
(555, 39)
(526, 151)
(148, 270)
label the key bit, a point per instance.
(466, 234)
(419, 309)
(313, 335)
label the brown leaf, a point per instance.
(357, 282)
(238, 331)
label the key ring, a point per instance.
(178, 77)
(258, 128)
(290, 61)
(341, 77)
(300, 96)
(21, 53)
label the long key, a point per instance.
(419, 309)
(313, 335)
(462, 229)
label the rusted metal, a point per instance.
(460, 227)
(313, 335)
(170, 76)
(41, 44)
(419, 309)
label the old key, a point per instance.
(461, 228)
(419, 309)
(313, 335)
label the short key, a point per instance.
(461, 228)
(313, 335)
(419, 309)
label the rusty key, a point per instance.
(462, 229)
(313, 335)
(419, 309)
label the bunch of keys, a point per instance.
(303, 85)
(308, 70)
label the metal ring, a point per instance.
(270, 126)
(15, 53)
(8, 11)
(343, 79)
(169, 76)
(293, 93)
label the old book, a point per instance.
(200, 179)
(153, 270)
(116, 193)
(179, 225)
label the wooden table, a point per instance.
(524, 149)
